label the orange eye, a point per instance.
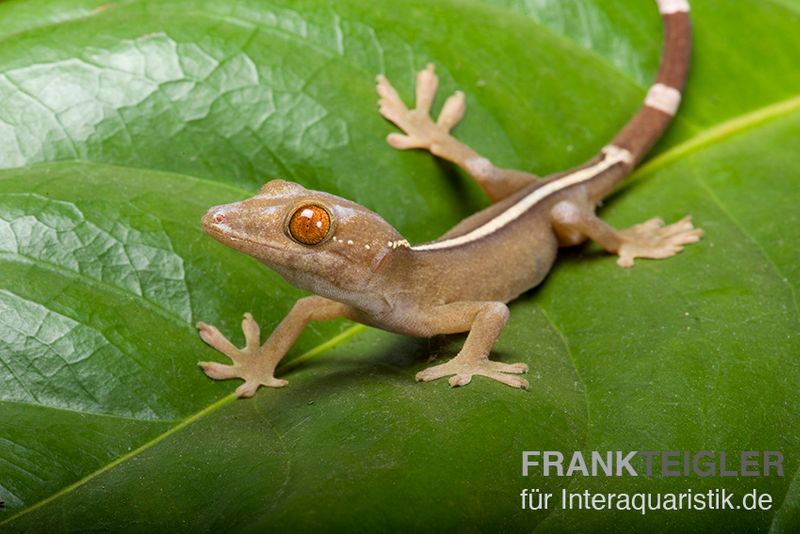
(309, 224)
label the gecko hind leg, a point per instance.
(650, 239)
(485, 321)
(420, 131)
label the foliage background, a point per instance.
(121, 122)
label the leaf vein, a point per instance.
(88, 413)
(762, 251)
(581, 381)
(66, 273)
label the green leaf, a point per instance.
(173, 107)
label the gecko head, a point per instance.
(317, 241)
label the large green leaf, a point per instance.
(180, 105)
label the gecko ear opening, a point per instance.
(381, 259)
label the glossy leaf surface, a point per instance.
(178, 106)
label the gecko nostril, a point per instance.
(219, 218)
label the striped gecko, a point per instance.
(360, 268)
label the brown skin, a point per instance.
(361, 268)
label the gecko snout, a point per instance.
(213, 218)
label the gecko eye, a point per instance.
(309, 224)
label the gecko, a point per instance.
(360, 268)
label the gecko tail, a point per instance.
(664, 96)
(639, 135)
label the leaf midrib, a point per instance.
(719, 132)
(353, 330)
(161, 437)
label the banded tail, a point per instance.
(664, 96)
(660, 104)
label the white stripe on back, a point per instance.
(613, 155)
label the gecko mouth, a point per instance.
(214, 224)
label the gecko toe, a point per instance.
(217, 371)
(248, 389)
(460, 379)
(461, 371)
(510, 380)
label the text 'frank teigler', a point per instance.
(653, 463)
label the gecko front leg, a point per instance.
(484, 321)
(420, 131)
(255, 363)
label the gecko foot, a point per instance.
(651, 239)
(419, 129)
(248, 362)
(461, 372)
